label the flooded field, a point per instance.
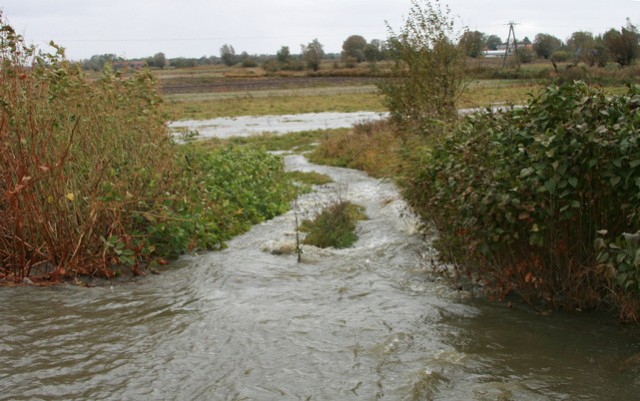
(250, 125)
(365, 323)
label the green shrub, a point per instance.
(521, 195)
(525, 55)
(560, 56)
(216, 195)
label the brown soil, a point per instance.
(195, 85)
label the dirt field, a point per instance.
(198, 85)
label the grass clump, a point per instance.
(309, 177)
(335, 226)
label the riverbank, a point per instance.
(365, 322)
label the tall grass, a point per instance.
(371, 147)
(91, 180)
(76, 158)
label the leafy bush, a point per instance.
(560, 56)
(519, 196)
(525, 55)
(217, 194)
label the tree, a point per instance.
(248, 61)
(525, 55)
(353, 48)
(283, 55)
(473, 42)
(159, 60)
(580, 42)
(587, 48)
(599, 55)
(493, 41)
(544, 45)
(623, 45)
(429, 70)
(374, 51)
(98, 62)
(182, 62)
(228, 55)
(312, 54)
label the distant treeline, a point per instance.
(98, 61)
(620, 46)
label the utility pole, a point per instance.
(515, 44)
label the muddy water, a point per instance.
(365, 323)
(251, 125)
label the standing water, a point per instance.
(225, 127)
(365, 323)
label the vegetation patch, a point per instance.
(487, 93)
(217, 194)
(294, 102)
(372, 147)
(335, 226)
(91, 180)
(295, 141)
(309, 177)
(521, 197)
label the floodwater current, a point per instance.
(371, 322)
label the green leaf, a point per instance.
(622, 277)
(615, 180)
(550, 185)
(525, 172)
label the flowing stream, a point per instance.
(365, 323)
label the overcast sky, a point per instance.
(195, 28)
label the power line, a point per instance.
(193, 39)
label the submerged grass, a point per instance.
(299, 142)
(309, 177)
